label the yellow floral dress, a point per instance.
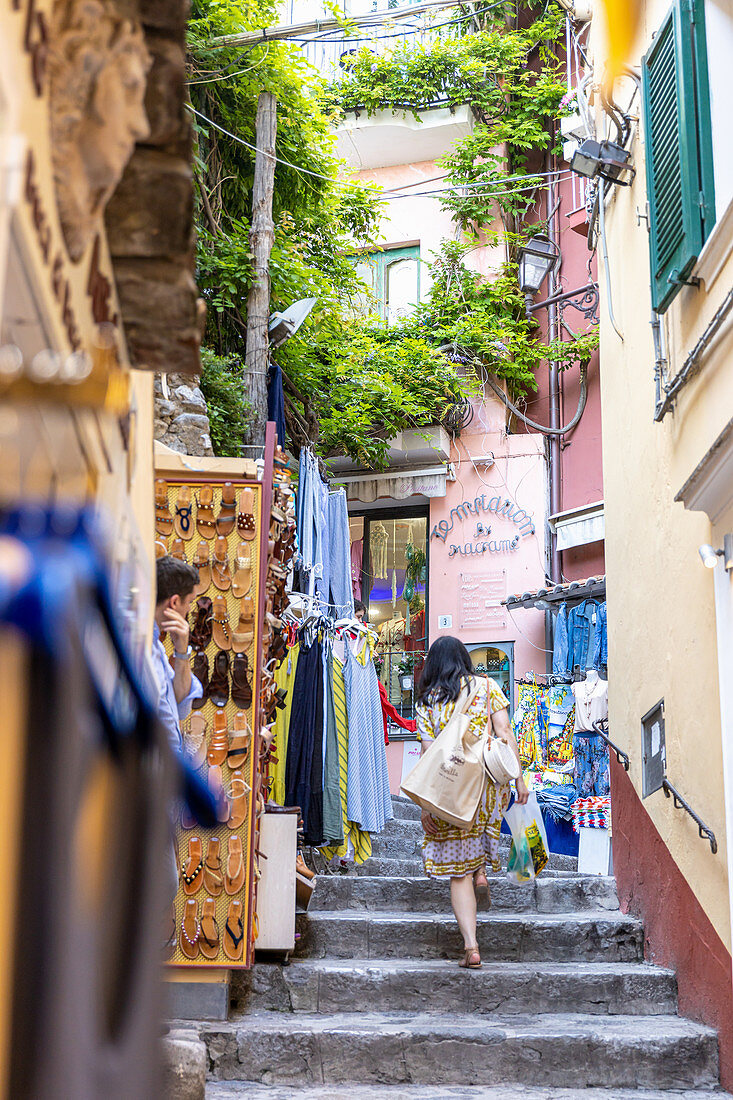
(455, 852)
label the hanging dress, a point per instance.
(284, 678)
(360, 841)
(369, 802)
(304, 768)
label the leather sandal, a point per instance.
(246, 516)
(220, 629)
(183, 522)
(202, 561)
(240, 740)
(213, 878)
(219, 682)
(219, 743)
(192, 871)
(178, 549)
(201, 672)
(246, 614)
(471, 959)
(205, 522)
(201, 625)
(234, 876)
(242, 579)
(163, 517)
(220, 574)
(238, 801)
(234, 931)
(302, 868)
(242, 642)
(194, 740)
(227, 510)
(208, 941)
(241, 687)
(190, 929)
(160, 549)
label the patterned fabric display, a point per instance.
(591, 813)
(529, 724)
(561, 714)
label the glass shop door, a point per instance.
(496, 659)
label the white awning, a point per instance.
(579, 526)
(394, 484)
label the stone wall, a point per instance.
(181, 420)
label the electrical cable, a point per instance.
(398, 34)
(604, 243)
(227, 76)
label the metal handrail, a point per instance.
(680, 804)
(621, 756)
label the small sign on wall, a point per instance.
(410, 755)
(480, 600)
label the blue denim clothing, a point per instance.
(573, 631)
(592, 775)
(600, 650)
(170, 711)
(342, 591)
(309, 519)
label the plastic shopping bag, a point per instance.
(529, 851)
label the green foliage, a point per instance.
(229, 411)
(352, 383)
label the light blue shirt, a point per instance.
(170, 711)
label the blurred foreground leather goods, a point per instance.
(96, 778)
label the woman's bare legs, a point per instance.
(463, 900)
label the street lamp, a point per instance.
(709, 555)
(284, 325)
(536, 259)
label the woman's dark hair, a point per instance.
(447, 667)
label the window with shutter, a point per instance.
(679, 163)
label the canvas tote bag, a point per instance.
(448, 779)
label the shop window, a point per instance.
(679, 155)
(496, 661)
(392, 280)
(389, 570)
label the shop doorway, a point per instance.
(389, 555)
(496, 659)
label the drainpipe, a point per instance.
(555, 452)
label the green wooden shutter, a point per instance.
(679, 158)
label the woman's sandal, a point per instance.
(471, 959)
(245, 517)
(227, 510)
(219, 682)
(190, 929)
(205, 522)
(234, 877)
(209, 941)
(192, 871)
(183, 522)
(194, 740)
(163, 517)
(203, 563)
(220, 627)
(213, 878)
(219, 743)
(220, 573)
(234, 931)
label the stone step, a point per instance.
(405, 809)
(370, 985)
(389, 866)
(245, 1090)
(662, 1052)
(505, 937)
(547, 894)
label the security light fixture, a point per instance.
(605, 159)
(709, 555)
(536, 259)
(284, 325)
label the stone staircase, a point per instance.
(375, 1006)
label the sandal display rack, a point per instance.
(216, 522)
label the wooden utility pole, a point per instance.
(261, 237)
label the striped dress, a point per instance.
(360, 841)
(456, 852)
(369, 802)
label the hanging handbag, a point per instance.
(449, 778)
(499, 759)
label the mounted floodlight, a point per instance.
(284, 325)
(536, 259)
(605, 159)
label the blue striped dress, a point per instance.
(369, 802)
